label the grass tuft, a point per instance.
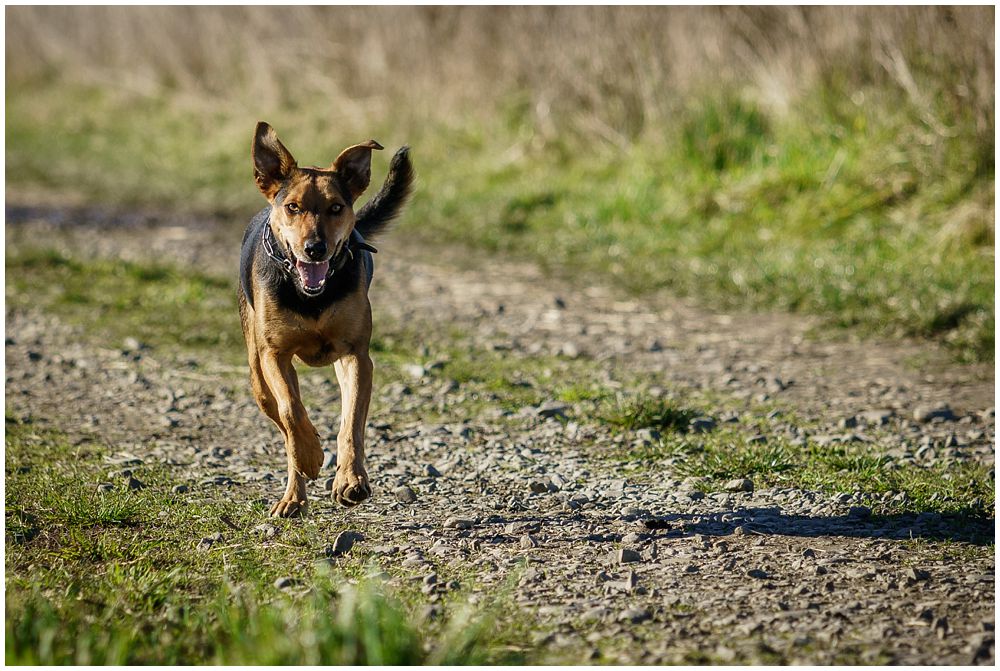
(963, 488)
(643, 412)
(739, 461)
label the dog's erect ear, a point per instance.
(354, 165)
(272, 163)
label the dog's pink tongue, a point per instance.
(312, 274)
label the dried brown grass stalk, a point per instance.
(619, 70)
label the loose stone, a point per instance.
(405, 494)
(266, 531)
(930, 413)
(205, 543)
(329, 459)
(552, 409)
(627, 556)
(344, 542)
(634, 615)
(458, 523)
(876, 417)
(416, 371)
(739, 485)
(538, 487)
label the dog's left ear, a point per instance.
(354, 165)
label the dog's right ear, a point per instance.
(272, 163)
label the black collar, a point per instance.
(272, 249)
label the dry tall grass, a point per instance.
(609, 73)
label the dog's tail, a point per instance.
(376, 215)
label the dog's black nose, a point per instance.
(316, 249)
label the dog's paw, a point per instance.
(288, 508)
(351, 488)
(308, 462)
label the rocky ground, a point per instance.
(616, 561)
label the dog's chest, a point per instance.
(321, 342)
(322, 352)
(316, 344)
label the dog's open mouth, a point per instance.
(312, 276)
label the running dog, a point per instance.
(305, 270)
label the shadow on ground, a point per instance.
(959, 527)
(956, 527)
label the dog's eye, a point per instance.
(292, 207)
(336, 208)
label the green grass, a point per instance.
(849, 206)
(114, 578)
(329, 625)
(724, 454)
(160, 306)
(641, 412)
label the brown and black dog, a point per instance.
(305, 270)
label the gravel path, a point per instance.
(615, 566)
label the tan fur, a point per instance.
(314, 193)
(275, 336)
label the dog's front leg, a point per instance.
(354, 373)
(305, 456)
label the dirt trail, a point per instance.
(630, 568)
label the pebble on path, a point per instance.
(266, 531)
(343, 544)
(739, 485)
(206, 543)
(458, 523)
(405, 494)
(930, 413)
(626, 556)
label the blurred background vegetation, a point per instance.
(834, 161)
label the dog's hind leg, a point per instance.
(305, 456)
(354, 373)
